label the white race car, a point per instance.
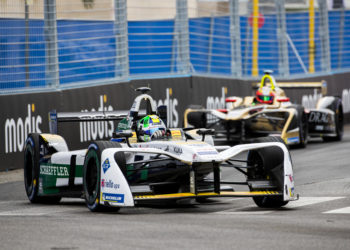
(128, 172)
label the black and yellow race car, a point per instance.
(270, 112)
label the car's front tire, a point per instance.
(261, 160)
(92, 174)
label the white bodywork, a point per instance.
(185, 151)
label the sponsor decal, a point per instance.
(117, 198)
(192, 143)
(290, 177)
(177, 150)
(291, 192)
(54, 170)
(17, 130)
(176, 134)
(53, 116)
(207, 153)
(106, 165)
(92, 130)
(293, 139)
(318, 117)
(319, 127)
(109, 184)
(167, 148)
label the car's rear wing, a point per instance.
(58, 117)
(322, 85)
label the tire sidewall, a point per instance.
(32, 148)
(302, 122)
(93, 201)
(266, 155)
(338, 126)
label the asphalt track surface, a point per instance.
(320, 219)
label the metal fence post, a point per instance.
(235, 34)
(283, 62)
(324, 36)
(26, 17)
(50, 33)
(121, 38)
(182, 36)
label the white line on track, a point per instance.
(37, 211)
(344, 210)
(306, 201)
(25, 208)
(303, 201)
(228, 212)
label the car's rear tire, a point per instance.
(31, 171)
(92, 174)
(337, 108)
(262, 159)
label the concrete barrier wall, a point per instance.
(25, 113)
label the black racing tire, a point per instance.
(302, 123)
(303, 127)
(261, 159)
(31, 171)
(337, 108)
(92, 174)
(197, 119)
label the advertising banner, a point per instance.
(22, 114)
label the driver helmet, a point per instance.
(265, 95)
(151, 127)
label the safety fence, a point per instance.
(54, 44)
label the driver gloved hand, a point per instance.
(157, 134)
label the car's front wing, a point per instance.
(115, 189)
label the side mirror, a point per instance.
(204, 132)
(125, 135)
(122, 135)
